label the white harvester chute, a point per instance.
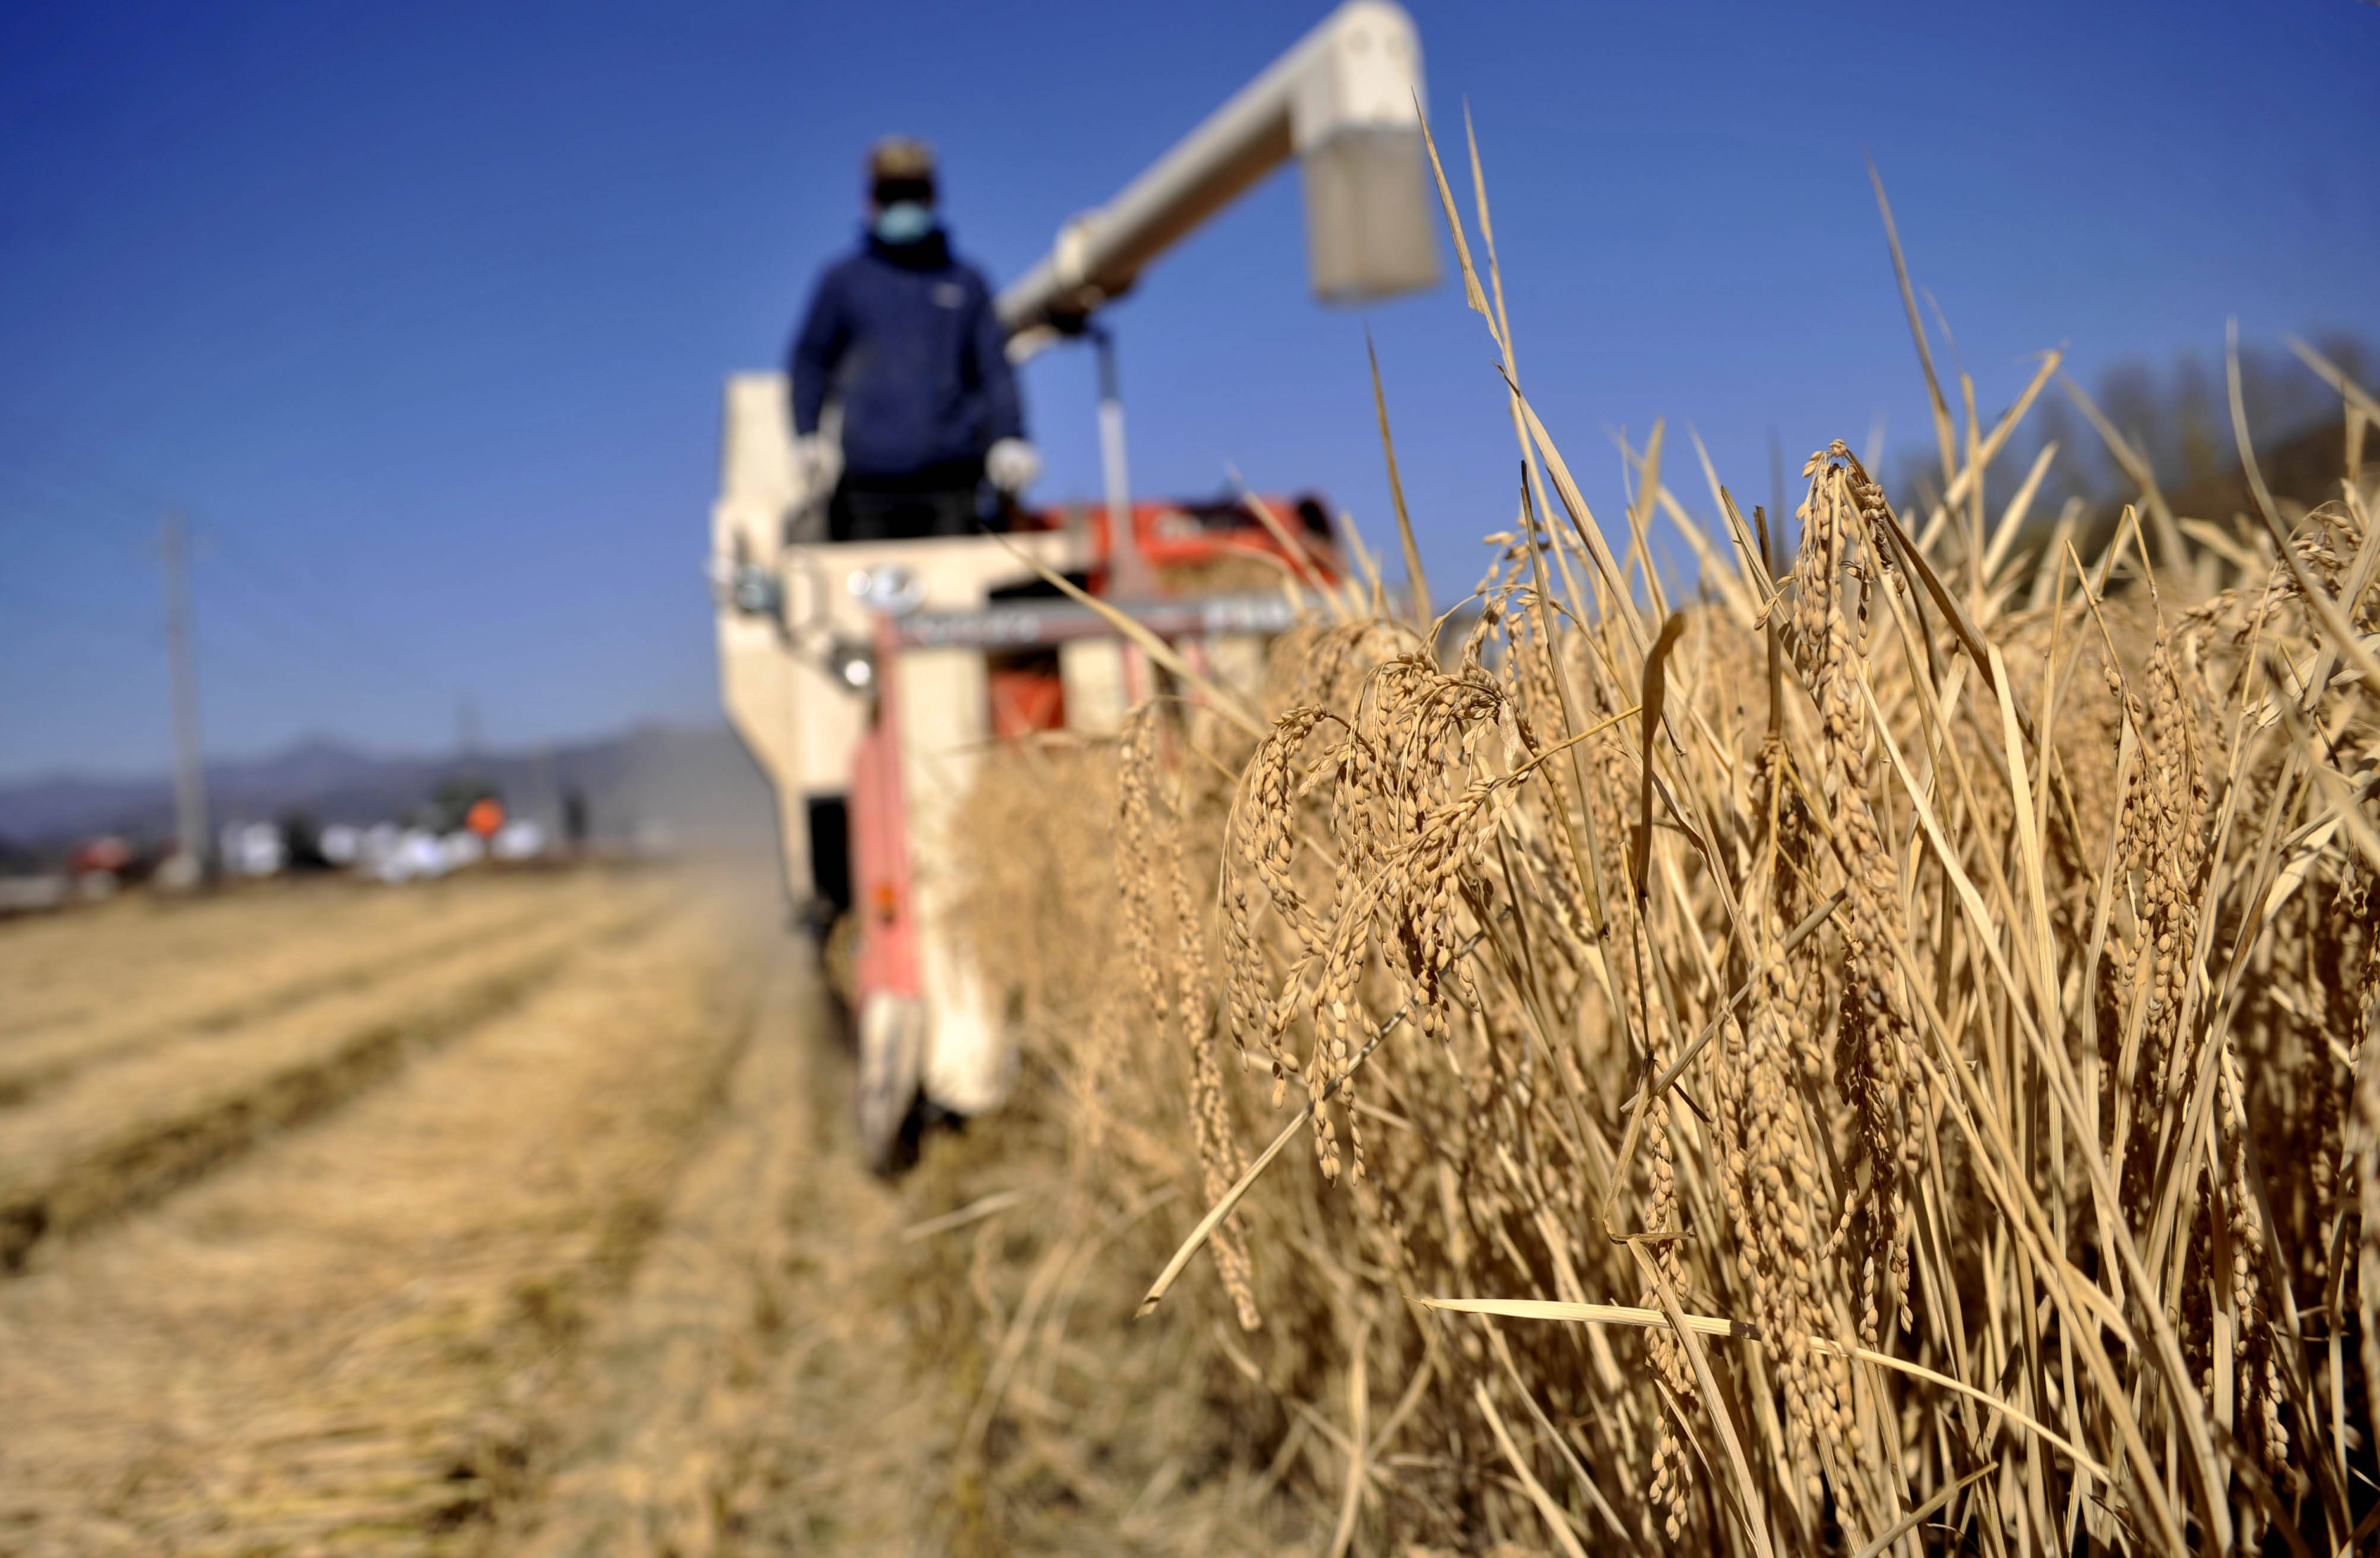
(1344, 103)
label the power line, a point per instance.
(50, 614)
(127, 504)
(103, 495)
(299, 597)
(281, 598)
(41, 495)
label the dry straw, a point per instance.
(1875, 1058)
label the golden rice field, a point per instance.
(1862, 1050)
(1866, 1051)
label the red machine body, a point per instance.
(1027, 695)
(911, 997)
(1188, 534)
(881, 889)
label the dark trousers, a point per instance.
(947, 500)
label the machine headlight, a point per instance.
(891, 588)
(855, 667)
(756, 591)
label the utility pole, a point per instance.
(189, 751)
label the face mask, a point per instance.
(905, 222)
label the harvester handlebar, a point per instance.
(1035, 623)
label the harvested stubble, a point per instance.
(362, 1337)
(219, 955)
(1879, 1053)
(240, 979)
(129, 1126)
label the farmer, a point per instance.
(903, 333)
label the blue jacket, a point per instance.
(906, 336)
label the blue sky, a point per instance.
(421, 313)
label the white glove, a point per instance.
(1012, 464)
(817, 461)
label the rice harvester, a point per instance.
(867, 678)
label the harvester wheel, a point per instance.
(839, 959)
(892, 1040)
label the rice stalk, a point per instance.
(1902, 1019)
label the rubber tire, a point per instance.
(892, 1041)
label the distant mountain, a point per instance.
(696, 782)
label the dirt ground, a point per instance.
(507, 1215)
